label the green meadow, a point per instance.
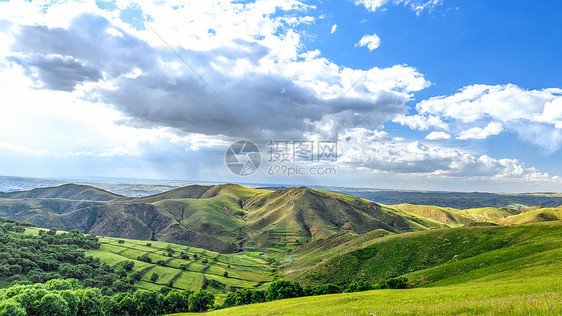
(244, 270)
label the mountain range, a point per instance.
(228, 218)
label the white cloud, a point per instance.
(126, 98)
(502, 102)
(333, 30)
(437, 136)
(534, 115)
(253, 57)
(552, 113)
(493, 128)
(415, 5)
(371, 41)
(376, 151)
(420, 122)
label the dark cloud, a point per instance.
(272, 105)
(57, 72)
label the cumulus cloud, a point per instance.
(524, 112)
(420, 122)
(437, 136)
(415, 5)
(378, 152)
(552, 113)
(502, 102)
(371, 41)
(493, 128)
(333, 30)
(125, 95)
(261, 74)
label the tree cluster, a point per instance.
(28, 259)
(68, 298)
(286, 289)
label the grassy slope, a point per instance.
(65, 191)
(533, 215)
(293, 216)
(484, 270)
(536, 292)
(247, 270)
(449, 216)
(226, 217)
(449, 252)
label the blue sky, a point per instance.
(469, 99)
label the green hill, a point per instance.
(229, 217)
(468, 270)
(65, 191)
(440, 255)
(537, 292)
(445, 215)
(224, 218)
(533, 215)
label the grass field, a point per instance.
(442, 255)
(529, 295)
(245, 270)
(499, 271)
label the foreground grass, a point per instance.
(530, 296)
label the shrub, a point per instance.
(144, 258)
(283, 289)
(177, 302)
(200, 301)
(149, 303)
(323, 289)
(154, 277)
(394, 283)
(358, 287)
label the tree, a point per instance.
(394, 283)
(165, 290)
(136, 276)
(72, 300)
(321, 289)
(283, 289)
(154, 277)
(90, 302)
(123, 304)
(358, 287)
(200, 301)
(225, 274)
(148, 303)
(11, 308)
(53, 304)
(176, 302)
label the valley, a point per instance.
(223, 238)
